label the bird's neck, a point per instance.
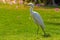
(31, 9)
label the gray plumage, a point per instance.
(37, 18)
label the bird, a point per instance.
(37, 19)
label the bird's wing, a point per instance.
(37, 18)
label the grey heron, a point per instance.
(37, 19)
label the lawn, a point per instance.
(17, 24)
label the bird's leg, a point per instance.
(45, 34)
(43, 30)
(37, 30)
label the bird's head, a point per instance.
(31, 4)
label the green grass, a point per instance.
(17, 24)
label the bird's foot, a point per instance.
(46, 35)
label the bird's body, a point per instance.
(36, 16)
(37, 19)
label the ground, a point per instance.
(17, 24)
